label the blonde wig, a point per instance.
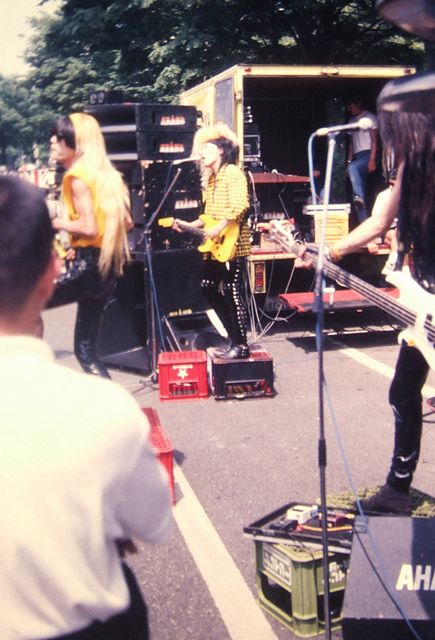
(112, 193)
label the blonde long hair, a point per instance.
(112, 193)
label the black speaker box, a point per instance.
(146, 131)
(122, 339)
(400, 553)
(192, 332)
(177, 277)
(147, 145)
(145, 117)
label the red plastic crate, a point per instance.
(182, 375)
(162, 444)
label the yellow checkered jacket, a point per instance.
(226, 197)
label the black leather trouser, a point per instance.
(223, 286)
(82, 283)
(406, 401)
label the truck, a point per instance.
(275, 110)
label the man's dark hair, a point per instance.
(63, 129)
(230, 150)
(26, 237)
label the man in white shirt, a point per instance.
(362, 155)
(77, 475)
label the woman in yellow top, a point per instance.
(226, 202)
(97, 219)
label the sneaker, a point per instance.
(388, 500)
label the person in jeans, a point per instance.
(362, 155)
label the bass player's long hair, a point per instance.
(408, 135)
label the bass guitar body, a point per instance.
(415, 307)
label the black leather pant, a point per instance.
(223, 286)
(82, 283)
(406, 401)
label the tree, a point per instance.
(20, 122)
(153, 49)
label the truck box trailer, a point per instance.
(284, 104)
(274, 109)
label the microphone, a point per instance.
(362, 123)
(190, 159)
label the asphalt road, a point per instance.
(237, 460)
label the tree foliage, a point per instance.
(153, 49)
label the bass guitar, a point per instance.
(222, 249)
(414, 308)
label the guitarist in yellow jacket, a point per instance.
(226, 204)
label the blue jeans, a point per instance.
(358, 171)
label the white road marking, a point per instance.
(383, 369)
(239, 610)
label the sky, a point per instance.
(15, 32)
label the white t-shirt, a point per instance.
(76, 474)
(361, 140)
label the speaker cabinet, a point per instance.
(399, 552)
(122, 339)
(146, 131)
(177, 276)
(193, 332)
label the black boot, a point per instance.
(235, 352)
(387, 500)
(89, 314)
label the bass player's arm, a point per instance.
(373, 226)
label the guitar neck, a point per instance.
(196, 231)
(381, 299)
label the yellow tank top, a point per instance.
(81, 171)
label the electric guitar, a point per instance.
(414, 308)
(223, 248)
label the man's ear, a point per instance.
(47, 282)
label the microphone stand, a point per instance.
(150, 291)
(319, 307)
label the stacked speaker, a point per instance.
(143, 140)
(153, 202)
(135, 131)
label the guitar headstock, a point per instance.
(166, 222)
(281, 232)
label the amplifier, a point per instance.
(147, 145)
(242, 378)
(146, 131)
(391, 576)
(144, 117)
